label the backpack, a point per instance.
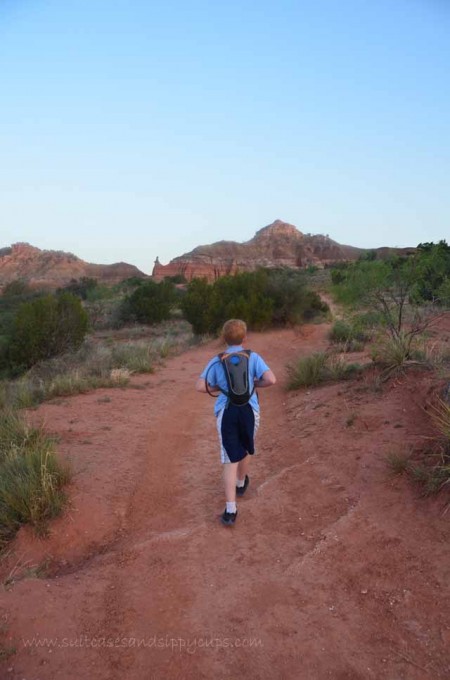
(236, 369)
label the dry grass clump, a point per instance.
(430, 466)
(31, 477)
(318, 368)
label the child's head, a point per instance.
(234, 331)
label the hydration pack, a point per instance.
(236, 370)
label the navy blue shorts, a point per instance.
(237, 426)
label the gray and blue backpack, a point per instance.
(236, 370)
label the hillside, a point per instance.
(52, 269)
(278, 245)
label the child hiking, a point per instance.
(234, 375)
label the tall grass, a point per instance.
(395, 352)
(31, 477)
(440, 414)
(432, 467)
(318, 368)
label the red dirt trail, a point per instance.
(335, 568)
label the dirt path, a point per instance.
(335, 569)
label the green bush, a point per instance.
(196, 305)
(15, 288)
(150, 303)
(45, 328)
(14, 295)
(263, 299)
(340, 332)
(80, 287)
(443, 292)
(417, 278)
(292, 301)
(351, 335)
(177, 278)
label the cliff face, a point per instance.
(277, 245)
(52, 269)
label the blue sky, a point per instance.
(132, 128)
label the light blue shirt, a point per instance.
(216, 376)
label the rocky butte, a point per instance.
(52, 269)
(278, 245)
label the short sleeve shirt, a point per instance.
(216, 376)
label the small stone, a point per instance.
(364, 591)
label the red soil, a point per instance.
(335, 568)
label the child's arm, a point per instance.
(200, 386)
(266, 380)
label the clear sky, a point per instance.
(133, 128)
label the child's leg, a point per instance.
(229, 478)
(243, 467)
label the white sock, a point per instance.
(231, 507)
(240, 483)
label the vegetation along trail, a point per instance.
(335, 568)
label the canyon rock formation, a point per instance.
(51, 269)
(278, 245)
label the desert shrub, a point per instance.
(431, 467)
(177, 278)
(46, 327)
(396, 290)
(318, 368)
(337, 368)
(349, 335)
(340, 332)
(132, 282)
(443, 292)
(432, 269)
(368, 256)
(395, 352)
(150, 303)
(263, 298)
(418, 278)
(307, 371)
(292, 301)
(196, 305)
(368, 321)
(31, 477)
(80, 287)
(14, 295)
(16, 288)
